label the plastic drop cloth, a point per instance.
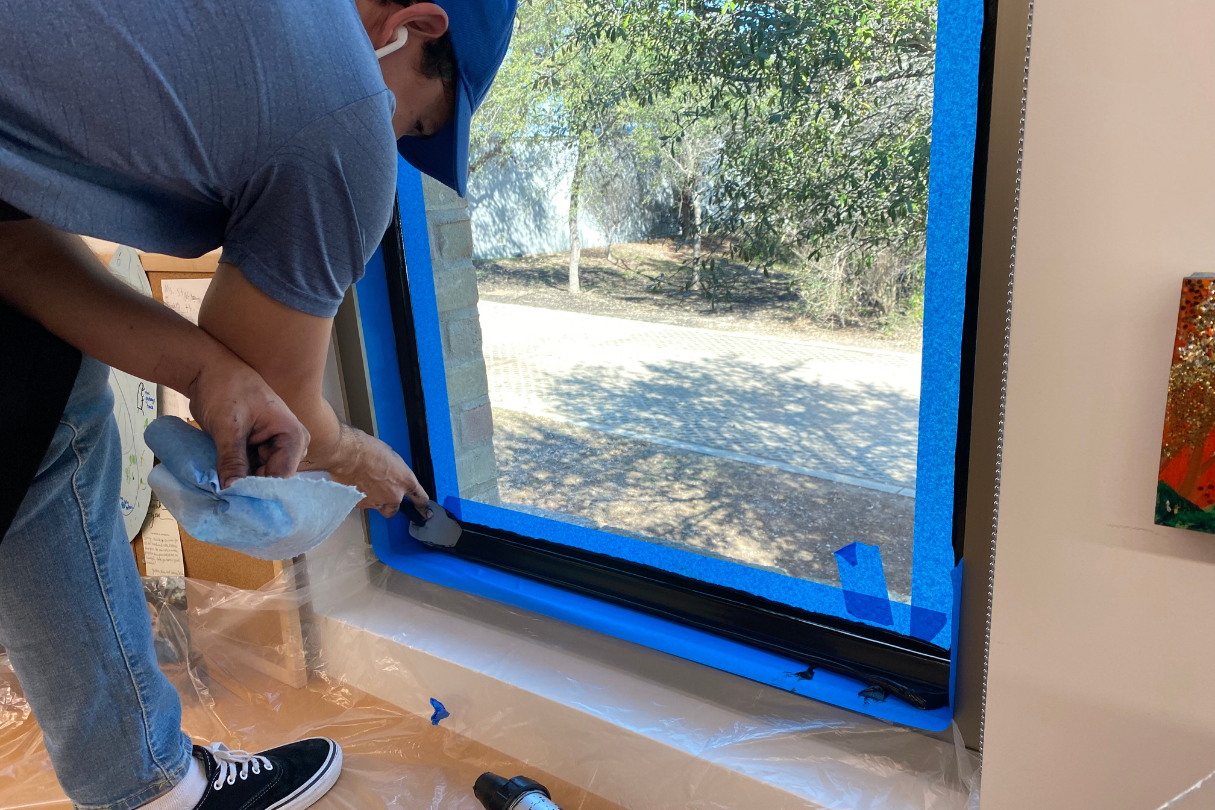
(232, 656)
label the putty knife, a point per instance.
(441, 530)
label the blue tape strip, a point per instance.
(956, 577)
(380, 346)
(428, 330)
(863, 581)
(951, 168)
(404, 554)
(813, 596)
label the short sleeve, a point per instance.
(307, 221)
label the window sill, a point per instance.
(636, 726)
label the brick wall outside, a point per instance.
(472, 426)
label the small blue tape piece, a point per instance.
(440, 712)
(927, 624)
(863, 581)
(950, 176)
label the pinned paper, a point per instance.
(184, 296)
(162, 545)
(173, 403)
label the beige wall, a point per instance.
(1102, 672)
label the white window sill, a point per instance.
(636, 726)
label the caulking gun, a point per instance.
(520, 793)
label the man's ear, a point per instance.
(424, 20)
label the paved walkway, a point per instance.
(834, 412)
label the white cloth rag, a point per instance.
(268, 518)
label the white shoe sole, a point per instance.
(311, 791)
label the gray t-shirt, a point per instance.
(179, 126)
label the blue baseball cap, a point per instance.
(480, 33)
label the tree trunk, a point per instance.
(696, 209)
(607, 250)
(575, 239)
(685, 213)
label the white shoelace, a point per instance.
(229, 760)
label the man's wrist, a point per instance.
(339, 457)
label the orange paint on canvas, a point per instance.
(1185, 490)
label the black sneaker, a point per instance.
(290, 777)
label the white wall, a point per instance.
(1102, 671)
(524, 208)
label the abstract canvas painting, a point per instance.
(1185, 490)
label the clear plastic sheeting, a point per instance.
(254, 670)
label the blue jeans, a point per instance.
(74, 620)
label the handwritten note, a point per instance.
(162, 545)
(184, 295)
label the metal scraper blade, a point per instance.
(440, 530)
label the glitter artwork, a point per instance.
(1185, 490)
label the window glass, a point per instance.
(705, 278)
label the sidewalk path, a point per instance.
(834, 412)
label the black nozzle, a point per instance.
(497, 793)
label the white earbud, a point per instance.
(395, 45)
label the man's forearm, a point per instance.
(288, 348)
(55, 279)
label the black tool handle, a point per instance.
(411, 512)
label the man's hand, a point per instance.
(254, 431)
(288, 349)
(52, 277)
(373, 467)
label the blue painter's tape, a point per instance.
(379, 341)
(872, 609)
(401, 552)
(951, 168)
(416, 240)
(864, 583)
(935, 583)
(953, 648)
(440, 712)
(926, 623)
(812, 596)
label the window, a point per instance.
(645, 461)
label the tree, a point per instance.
(620, 179)
(692, 158)
(795, 130)
(556, 87)
(823, 110)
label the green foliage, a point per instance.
(798, 131)
(847, 286)
(1174, 510)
